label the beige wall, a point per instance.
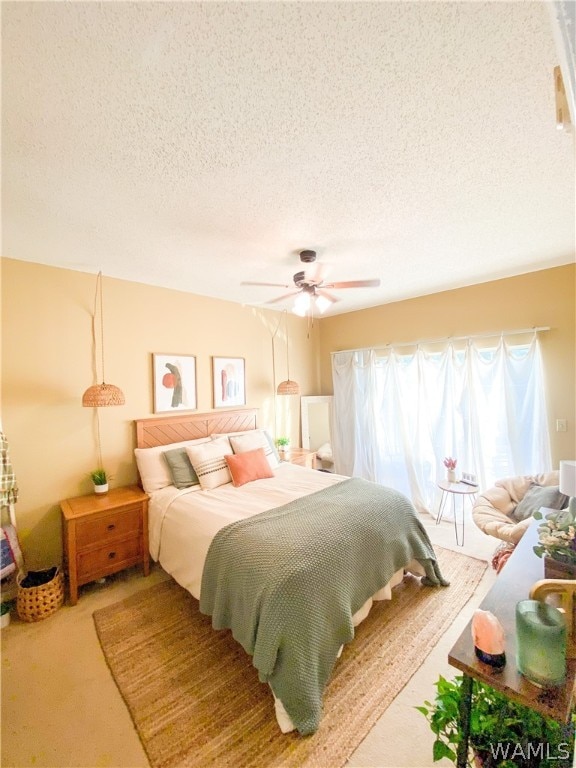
(545, 298)
(47, 365)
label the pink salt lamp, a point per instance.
(488, 637)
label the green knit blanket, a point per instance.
(288, 581)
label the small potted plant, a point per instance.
(283, 444)
(5, 614)
(100, 480)
(503, 733)
(450, 465)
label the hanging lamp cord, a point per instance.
(98, 291)
(274, 355)
(99, 287)
(274, 374)
(287, 351)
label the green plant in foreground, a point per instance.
(503, 733)
(99, 476)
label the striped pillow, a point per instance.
(251, 441)
(209, 462)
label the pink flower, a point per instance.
(450, 463)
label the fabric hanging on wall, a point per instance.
(8, 485)
(10, 547)
(9, 551)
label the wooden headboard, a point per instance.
(189, 426)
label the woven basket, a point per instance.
(36, 603)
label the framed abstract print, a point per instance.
(174, 383)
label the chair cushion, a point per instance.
(492, 510)
(539, 496)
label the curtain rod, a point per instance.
(535, 329)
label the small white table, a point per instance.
(455, 489)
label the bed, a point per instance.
(288, 558)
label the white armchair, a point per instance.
(493, 510)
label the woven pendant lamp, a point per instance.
(288, 387)
(101, 395)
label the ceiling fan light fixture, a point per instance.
(322, 304)
(301, 304)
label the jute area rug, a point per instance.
(196, 700)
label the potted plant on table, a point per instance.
(5, 607)
(557, 543)
(100, 480)
(503, 733)
(450, 465)
(283, 444)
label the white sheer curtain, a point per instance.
(398, 415)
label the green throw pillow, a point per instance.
(539, 496)
(181, 469)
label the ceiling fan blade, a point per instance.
(281, 298)
(273, 285)
(329, 296)
(354, 284)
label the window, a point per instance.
(399, 414)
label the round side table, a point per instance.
(461, 490)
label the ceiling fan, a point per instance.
(310, 289)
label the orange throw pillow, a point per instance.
(248, 466)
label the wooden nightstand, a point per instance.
(302, 456)
(104, 534)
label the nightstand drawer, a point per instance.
(119, 523)
(114, 557)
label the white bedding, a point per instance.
(183, 523)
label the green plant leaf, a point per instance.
(99, 476)
(441, 750)
(494, 718)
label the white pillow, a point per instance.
(325, 452)
(209, 462)
(152, 466)
(249, 441)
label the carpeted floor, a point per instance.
(196, 700)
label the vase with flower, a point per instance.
(557, 543)
(450, 465)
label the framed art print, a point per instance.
(228, 380)
(174, 383)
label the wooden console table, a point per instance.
(513, 584)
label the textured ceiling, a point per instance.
(196, 145)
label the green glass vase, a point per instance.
(541, 643)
